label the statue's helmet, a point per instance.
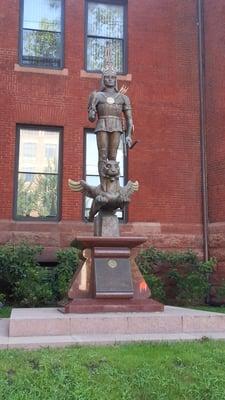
(109, 68)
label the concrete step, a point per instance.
(174, 320)
(47, 327)
(36, 342)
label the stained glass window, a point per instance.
(105, 28)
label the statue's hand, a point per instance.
(92, 115)
(128, 141)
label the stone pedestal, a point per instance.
(109, 280)
(106, 224)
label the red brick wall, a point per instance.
(215, 107)
(164, 92)
(215, 129)
(163, 61)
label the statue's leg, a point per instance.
(102, 143)
(114, 141)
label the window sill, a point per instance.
(85, 74)
(49, 71)
(36, 220)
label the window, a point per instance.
(91, 168)
(30, 150)
(37, 176)
(41, 33)
(105, 27)
(51, 151)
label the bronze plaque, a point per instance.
(113, 278)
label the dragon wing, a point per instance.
(82, 186)
(75, 186)
(129, 189)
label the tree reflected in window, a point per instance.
(38, 175)
(42, 33)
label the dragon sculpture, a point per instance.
(112, 196)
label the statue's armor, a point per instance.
(109, 108)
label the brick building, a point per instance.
(170, 54)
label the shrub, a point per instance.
(2, 299)
(175, 278)
(179, 277)
(218, 293)
(22, 280)
(67, 263)
(157, 287)
(192, 283)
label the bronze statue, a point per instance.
(109, 105)
(114, 197)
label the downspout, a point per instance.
(201, 62)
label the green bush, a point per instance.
(22, 280)
(67, 263)
(157, 287)
(176, 277)
(2, 299)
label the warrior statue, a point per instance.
(109, 105)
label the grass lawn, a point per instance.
(5, 312)
(180, 371)
(219, 309)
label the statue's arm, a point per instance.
(92, 107)
(129, 120)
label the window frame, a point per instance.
(125, 27)
(58, 217)
(124, 219)
(62, 47)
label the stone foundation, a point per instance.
(55, 235)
